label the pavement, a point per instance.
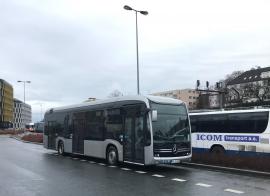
(29, 169)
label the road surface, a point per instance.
(29, 169)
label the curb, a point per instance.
(221, 168)
(25, 141)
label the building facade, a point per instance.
(6, 104)
(252, 86)
(189, 96)
(22, 114)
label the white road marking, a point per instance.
(74, 158)
(141, 172)
(126, 169)
(101, 164)
(91, 162)
(112, 166)
(55, 154)
(158, 176)
(204, 185)
(179, 180)
(82, 160)
(234, 191)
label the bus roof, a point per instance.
(156, 99)
(228, 111)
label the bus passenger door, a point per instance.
(51, 135)
(133, 135)
(78, 133)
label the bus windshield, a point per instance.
(172, 124)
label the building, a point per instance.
(6, 104)
(189, 96)
(210, 100)
(252, 86)
(22, 114)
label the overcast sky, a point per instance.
(74, 49)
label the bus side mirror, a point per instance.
(154, 115)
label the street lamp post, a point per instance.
(24, 88)
(126, 7)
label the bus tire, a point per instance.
(217, 150)
(61, 148)
(112, 155)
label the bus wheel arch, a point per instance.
(217, 149)
(61, 147)
(112, 154)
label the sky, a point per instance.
(71, 50)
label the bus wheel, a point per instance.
(217, 150)
(112, 155)
(61, 149)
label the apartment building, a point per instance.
(22, 114)
(6, 104)
(252, 86)
(189, 96)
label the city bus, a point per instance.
(143, 130)
(235, 131)
(39, 127)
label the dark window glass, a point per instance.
(252, 122)
(193, 123)
(147, 131)
(94, 125)
(50, 127)
(212, 123)
(172, 124)
(114, 124)
(67, 126)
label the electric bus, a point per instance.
(235, 131)
(144, 130)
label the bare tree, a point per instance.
(229, 77)
(115, 93)
(233, 75)
(255, 90)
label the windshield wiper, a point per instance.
(160, 135)
(177, 133)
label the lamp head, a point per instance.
(144, 12)
(126, 7)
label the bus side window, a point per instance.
(113, 124)
(94, 126)
(252, 122)
(212, 123)
(193, 122)
(67, 126)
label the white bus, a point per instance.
(143, 130)
(234, 131)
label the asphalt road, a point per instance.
(28, 169)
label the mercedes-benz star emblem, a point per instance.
(174, 149)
